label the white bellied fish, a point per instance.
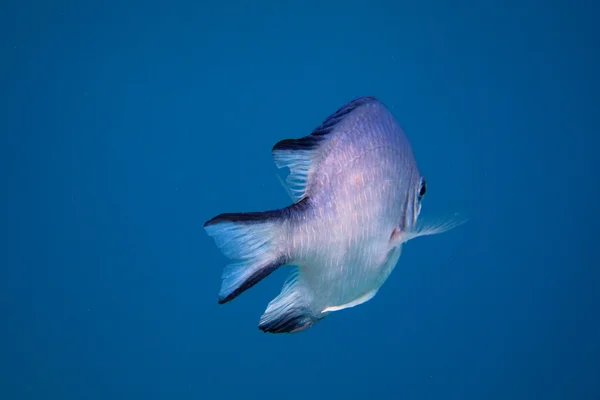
(358, 194)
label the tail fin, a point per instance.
(255, 241)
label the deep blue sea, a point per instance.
(125, 125)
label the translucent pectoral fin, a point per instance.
(362, 299)
(433, 227)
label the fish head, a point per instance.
(413, 229)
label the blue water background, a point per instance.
(126, 125)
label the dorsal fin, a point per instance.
(339, 115)
(299, 155)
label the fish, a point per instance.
(357, 195)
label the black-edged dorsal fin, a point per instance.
(331, 121)
(300, 154)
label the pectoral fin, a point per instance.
(396, 236)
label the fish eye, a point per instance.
(423, 189)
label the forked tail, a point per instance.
(255, 244)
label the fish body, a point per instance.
(358, 194)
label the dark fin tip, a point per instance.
(312, 141)
(305, 143)
(339, 115)
(245, 217)
(256, 277)
(300, 205)
(293, 321)
(259, 216)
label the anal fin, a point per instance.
(290, 311)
